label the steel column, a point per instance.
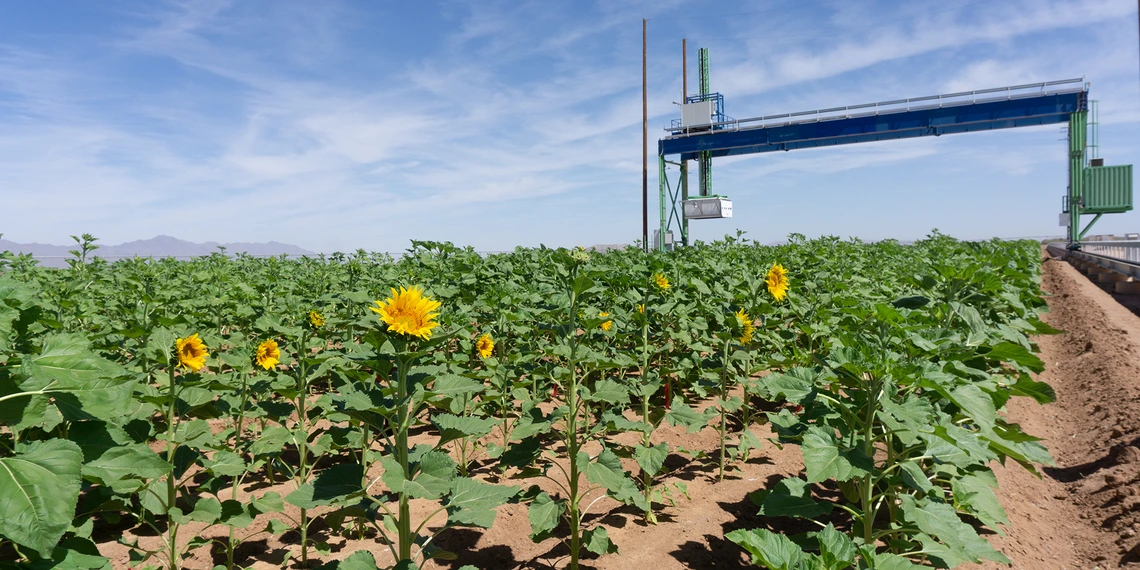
(1078, 123)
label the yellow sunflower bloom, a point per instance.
(192, 352)
(777, 281)
(316, 319)
(746, 325)
(661, 282)
(268, 354)
(641, 308)
(408, 312)
(606, 326)
(485, 345)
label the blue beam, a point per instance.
(962, 118)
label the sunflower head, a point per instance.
(268, 354)
(777, 281)
(661, 281)
(746, 326)
(485, 345)
(316, 319)
(607, 325)
(192, 352)
(408, 312)
(641, 308)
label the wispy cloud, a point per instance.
(336, 126)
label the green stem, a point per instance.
(572, 442)
(869, 451)
(171, 447)
(404, 520)
(723, 411)
(303, 443)
(646, 476)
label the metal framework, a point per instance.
(971, 111)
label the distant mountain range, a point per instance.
(160, 246)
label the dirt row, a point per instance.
(1085, 511)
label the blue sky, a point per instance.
(345, 125)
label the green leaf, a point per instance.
(651, 458)
(521, 454)
(207, 510)
(473, 502)
(270, 502)
(359, 560)
(1039, 391)
(437, 470)
(975, 492)
(452, 427)
(393, 476)
(1009, 352)
(916, 479)
(976, 403)
(39, 488)
(611, 392)
(913, 302)
(961, 447)
(226, 463)
(700, 286)
(680, 414)
(774, 551)
(451, 385)
(332, 484)
(74, 553)
(193, 433)
(84, 384)
(132, 464)
(835, 548)
(544, 514)
(941, 521)
(886, 561)
(96, 437)
(791, 497)
(237, 514)
(606, 471)
(68, 360)
(794, 385)
(824, 460)
(597, 540)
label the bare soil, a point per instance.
(1082, 513)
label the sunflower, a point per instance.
(485, 345)
(606, 326)
(268, 354)
(661, 282)
(409, 312)
(192, 352)
(777, 281)
(316, 319)
(641, 308)
(746, 325)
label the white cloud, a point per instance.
(231, 121)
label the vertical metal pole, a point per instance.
(1078, 122)
(704, 163)
(663, 187)
(684, 163)
(644, 145)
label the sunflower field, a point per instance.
(185, 407)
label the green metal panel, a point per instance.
(1107, 189)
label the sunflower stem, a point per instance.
(171, 447)
(723, 411)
